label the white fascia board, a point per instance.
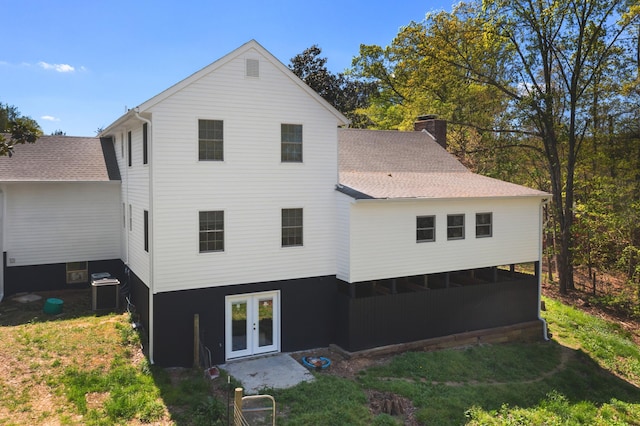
(252, 44)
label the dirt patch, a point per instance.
(607, 284)
(341, 365)
(393, 405)
(75, 303)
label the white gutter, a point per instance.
(545, 333)
(136, 112)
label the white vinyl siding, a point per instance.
(343, 234)
(252, 185)
(135, 195)
(391, 251)
(51, 222)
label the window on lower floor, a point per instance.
(291, 227)
(77, 272)
(455, 227)
(425, 228)
(211, 231)
(484, 225)
(210, 140)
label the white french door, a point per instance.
(252, 324)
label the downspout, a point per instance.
(545, 333)
(151, 248)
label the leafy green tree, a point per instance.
(410, 83)
(15, 129)
(347, 95)
(551, 55)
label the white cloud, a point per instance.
(57, 67)
(49, 118)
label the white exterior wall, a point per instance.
(343, 242)
(383, 237)
(134, 192)
(52, 222)
(251, 185)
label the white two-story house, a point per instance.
(240, 199)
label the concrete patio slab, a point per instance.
(279, 371)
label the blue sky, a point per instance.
(76, 65)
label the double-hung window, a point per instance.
(291, 227)
(210, 140)
(455, 227)
(484, 225)
(211, 231)
(425, 228)
(291, 143)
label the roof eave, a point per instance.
(369, 198)
(113, 127)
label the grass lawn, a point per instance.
(80, 368)
(588, 374)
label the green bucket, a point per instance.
(53, 306)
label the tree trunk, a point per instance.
(549, 242)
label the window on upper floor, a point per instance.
(146, 231)
(291, 227)
(484, 225)
(145, 142)
(291, 143)
(425, 228)
(210, 140)
(455, 227)
(129, 147)
(211, 231)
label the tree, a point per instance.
(15, 129)
(552, 54)
(345, 94)
(410, 84)
(58, 133)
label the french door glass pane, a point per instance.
(265, 322)
(239, 326)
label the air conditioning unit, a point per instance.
(75, 277)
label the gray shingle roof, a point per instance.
(61, 159)
(391, 164)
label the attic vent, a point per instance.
(253, 68)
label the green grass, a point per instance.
(79, 368)
(83, 369)
(587, 375)
(606, 342)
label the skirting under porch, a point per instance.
(412, 309)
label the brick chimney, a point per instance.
(437, 128)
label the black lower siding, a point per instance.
(19, 279)
(307, 317)
(399, 318)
